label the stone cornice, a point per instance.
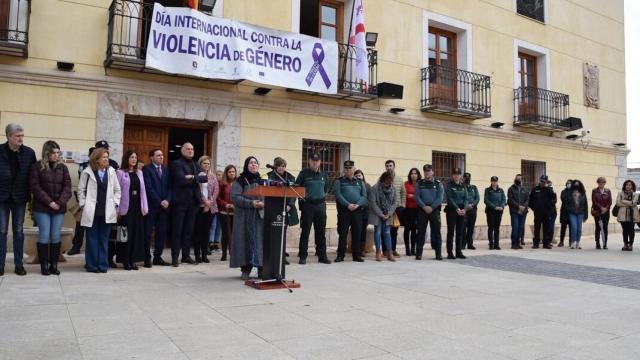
(105, 83)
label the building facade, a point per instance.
(494, 87)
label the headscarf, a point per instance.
(247, 177)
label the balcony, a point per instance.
(455, 92)
(14, 27)
(129, 28)
(541, 109)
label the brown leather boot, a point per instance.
(378, 255)
(390, 256)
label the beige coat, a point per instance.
(626, 204)
(88, 192)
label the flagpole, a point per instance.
(344, 68)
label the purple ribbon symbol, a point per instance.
(318, 58)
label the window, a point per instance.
(444, 162)
(442, 48)
(531, 172)
(322, 18)
(332, 154)
(534, 9)
(527, 70)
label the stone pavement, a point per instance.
(500, 305)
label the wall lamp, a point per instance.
(396, 110)
(497, 125)
(261, 91)
(371, 38)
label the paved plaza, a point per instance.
(556, 304)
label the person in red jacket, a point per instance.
(600, 205)
(411, 212)
(225, 208)
(51, 187)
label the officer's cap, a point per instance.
(315, 157)
(494, 178)
(102, 144)
(427, 167)
(544, 178)
(349, 164)
(457, 171)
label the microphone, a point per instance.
(269, 166)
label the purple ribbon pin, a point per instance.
(318, 58)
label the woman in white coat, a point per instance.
(99, 196)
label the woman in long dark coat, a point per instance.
(247, 223)
(133, 207)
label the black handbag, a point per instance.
(615, 210)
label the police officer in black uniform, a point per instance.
(541, 200)
(457, 201)
(314, 209)
(429, 196)
(351, 198)
(471, 213)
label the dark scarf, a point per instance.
(247, 177)
(385, 198)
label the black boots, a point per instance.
(43, 255)
(54, 255)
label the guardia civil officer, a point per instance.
(457, 201)
(314, 209)
(471, 211)
(351, 198)
(495, 202)
(429, 195)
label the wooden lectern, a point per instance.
(274, 235)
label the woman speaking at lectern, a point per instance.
(247, 224)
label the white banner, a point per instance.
(187, 42)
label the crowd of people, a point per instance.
(124, 210)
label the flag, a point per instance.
(357, 39)
(192, 4)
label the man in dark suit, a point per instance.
(156, 180)
(15, 162)
(186, 195)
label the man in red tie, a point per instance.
(156, 179)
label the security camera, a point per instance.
(586, 132)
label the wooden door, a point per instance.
(4, 19)
(143, 138)
(527, 77)
(442, 71)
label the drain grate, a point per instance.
(593, 274)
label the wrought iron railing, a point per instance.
(129, 24)
(541, 108)
(348, 82)
(450, 90)
(14, 26)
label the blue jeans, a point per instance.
(17, 224)
(49, 226)
(97, 248)
(215, 232)
(575, 226)
(378, 230)
(517, 227)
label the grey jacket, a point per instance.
(374, 208)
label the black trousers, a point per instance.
(455, 227)
(628, 232)
(78, 236)
(201, 233)
(349, 220)
(433, 220)
(469, 226)
(226, 221)
(605, 227)
(541, 220)
(157, 220)
(563, 230)
(315, 214)
(494, 218)
(410, 228)
(183, 218)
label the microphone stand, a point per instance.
(279, 277)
